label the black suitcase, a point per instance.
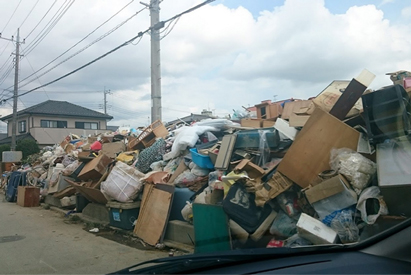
(240, 206)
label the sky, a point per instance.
(221, 57)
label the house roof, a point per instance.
(59, 108)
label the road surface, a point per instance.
(40, 241)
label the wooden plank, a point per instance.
(348, 99)
(152, 221)
(146, 193)
(211, 228)
(226, 150)
(93, 195)
(309, 154)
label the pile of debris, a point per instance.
(307, 172)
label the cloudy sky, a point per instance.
(225, 55)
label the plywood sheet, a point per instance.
(153, 216)
(309, 154)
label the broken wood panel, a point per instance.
(348, 99)
(309, 154)
(153, 219)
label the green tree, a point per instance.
(4, 147)
(28, 147)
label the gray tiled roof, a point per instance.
(60, 108)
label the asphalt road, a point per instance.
(39, 241)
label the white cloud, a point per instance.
(406, 12)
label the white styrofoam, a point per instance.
(12, 156)
(315, 231)
(283, 126)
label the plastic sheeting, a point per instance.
(186, 136)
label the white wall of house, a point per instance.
(50, 136)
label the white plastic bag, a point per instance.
(185, 177)
(358, 169)
(157, 166)
(186, 136)
(187, 212)
(372, 192)
(123, 184)
(343, 223)
(70, 168)
(198, 171)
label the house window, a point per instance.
(87, 125)
(22, 126)
(53, 124)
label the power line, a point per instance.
(41, 19)
(79, 51)
(5, 47)
(7, 61)
(29, 13)
(11, 16)
(37, 77)
(6, 74)
(48, 29)
(159, 25)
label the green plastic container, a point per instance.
(123, 215)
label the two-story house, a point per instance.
(49, 122)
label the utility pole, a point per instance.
(105, 99)
(155, 61)
(15, 95)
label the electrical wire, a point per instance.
(175, 22)
(81, 39)
(6, 74)
(113, 50)
(79, 51)
(7, 61)
(48, 29)
(29, 13)
(5, 47)
(37, 77)
(35, 27)
(11, 16)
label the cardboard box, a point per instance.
(268, 123)
(297, 120)
(253, 171)
(251, 122)
(113, 148)
(95, 168)
(28, 196)
(331, 195)
(315, 231)
(267, 110)
(293, 107)
(180, 169)
(267, 191)
(309, 154)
